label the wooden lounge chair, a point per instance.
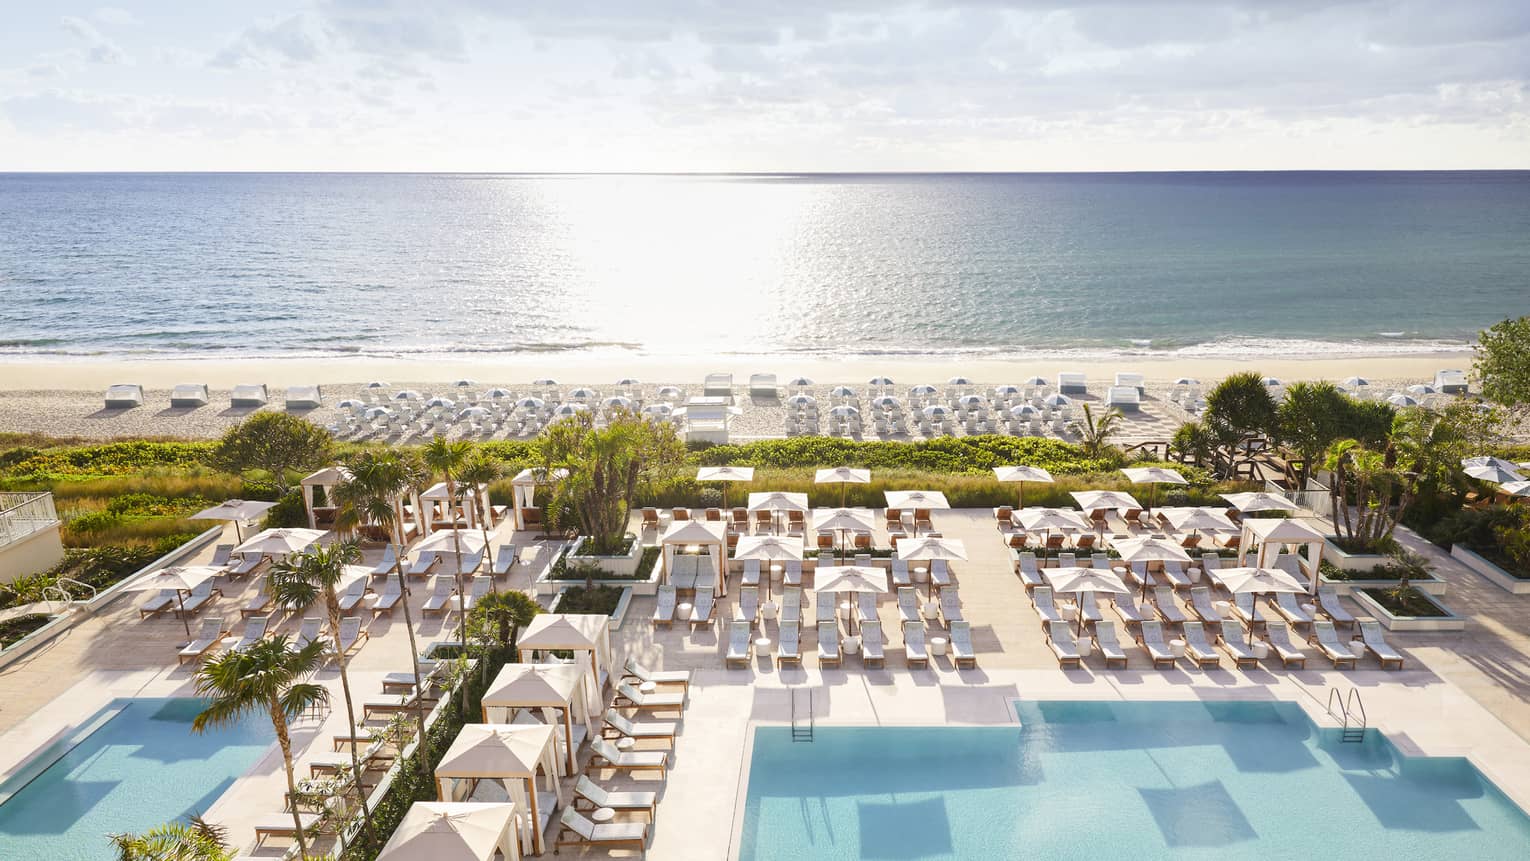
(212, 632)
(1041, 599)
(1168, 608)
(950, 606)
(504, 560)
(1150, 635)
(1279, 638)
(704, 605)
(914, 648)
(1289, 609)
(908, 605)
(574, 829)
(352, 597)
(1060, 641)
(1232, 640)
(1332, 607)
(387, 563)
(871, 644)
(281, 825)
(1376, 643)
(391, 594)
(748, 607)
(440, 594)
(1200, 605)
(1326, 639)
(161, 601)
(637, 671)
(618, 725)
(740, 645)
(962, 653)
(603, 751)
(1198, 648)
(351, 636)
(596, 796)
(1030, 573)
(222, 555)
(245, 565)
(1247, 611)
(664, 605)
(1126, 608)
(424, 565)
(629, 697)
(307, 633)
(197, 598)
(788, 649)
(1109, 646)
(254, 631)
(828, 644)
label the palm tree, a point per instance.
(447, 459)
(197, 840)
(378, 479)
(500, 616)
(299, 581)
(267, 676)
(477, 474)
(1095, 433)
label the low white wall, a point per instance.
(1501, 578)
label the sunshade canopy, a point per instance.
(932, 548)
(1053, 518)
(1022, 473)
(855, 519)
(695, 532)
(1196, 518)
(1257, 580)
(778, 501)
(916, 499)
(563, 631)
(497, 750)
(533, 686)
(449, 831)
(1495, 472)
(280, 541)
(850, 578)
(1150, 550)
(842, 475)
(1090, 500)
(771, 548)
(1075, 579)
(1283, 529)
(1153, 475)
(181, 577)
(470, 541)
(725, 473)
(1260, 501)
(234, 509)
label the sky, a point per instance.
(776, 85)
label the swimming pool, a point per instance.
(140, 765)
(1105, 780)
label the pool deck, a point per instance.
(1464, 694)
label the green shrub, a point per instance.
(288, 513)
(107, 528)
(971, 455)
(154, 505)
(12, 630)
(601, 600)
(113, 458)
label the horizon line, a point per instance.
(755, 173)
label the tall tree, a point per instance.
(605, 466)
(1241, 406)
(268, 676)
(314, 575)
(1503, 362)
(274, 443)
(446, 459)
(1311, 419)
(500, 616)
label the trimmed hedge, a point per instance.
(970, 455)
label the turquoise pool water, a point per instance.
(141, 766)
(1116, 780)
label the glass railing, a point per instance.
(22, 514)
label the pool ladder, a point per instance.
(802, 731)
(1351, 714)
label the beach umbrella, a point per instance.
(530, 404)
(1052, 518)
(629, 382)
(842, 476)
(1035, 381)
(1257, 581)
(1149, 550)
(1355, 382)
(1187, 381)
(844, 411)
(972, 401)
(842, 520)
(887, 402)
(1489, 460)
(444, 403)
(498, 394)
(879, 381)
(462, 384)
(1005, 391)
(237, 510)
(1057, 400)
(1270, 382)
(958, 381)
(181, 578)
(933, 499)
(668, 392)
(725, 474)
(800, 401)
(1420, 389)
(1075, 581)
(1153, 475)
(279, 542)
(1020, 475)
(936, 412)
(1260, 501)
(842, 392)
(777, 501)
(565, 411)
(373, 413)
(352, 404)
(1196, 519)
(768, 548)
(474, 413)
(1492, 469)
(1092, 500)
(582, 394)
(616, 402)
(1024, 411)
(854, 579)
(922, 391)
(661, 410)
(930, 549)
(377, 384)
(544, 382)
(1515, 488)
(448, 540)
(1401, 400)
(407, 395)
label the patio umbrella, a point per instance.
(879, 381)
(373, 413)
(1091, 500)
(629, 382)
(352, 404)
(887, 402)
(280, 542)
(1187, 381)
(474, 413)
(583, 394)
(936, 412)
(1023, 411)
(462, 384)
(450, 831)
(768, 548)
(530, 404)
(932, 499)
(1052, 518)
(801, 401)
(842, 475)
(237, 510)
(1020, 475)
(842, 392)
(377, 384)
(1260, 501)
(564, 411)
(1270, 382)
(1494, 469)
(1355, 382)
(1075, 580)
(1402, 400)
(1149, 550)
(407, 395)
(668, 392)
(445, 403)
(1057, 401)
(972, 401)
(1153, 475)
(844, 411)
(1258, 581)
(958, 381)
(850, 578)
(725, 474)
(181, 578)
(1515, 488)
(842, 520)
(498, 394)
(448, 540)
(775, 501)
(1420, 389)
(658, 410)
(921, 391)
(1034, 381)
(929, 549)
(1005, 391)
(616, 402)
(544, 382)
(1196, 519)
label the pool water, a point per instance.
(141, 766)
(1111, 780)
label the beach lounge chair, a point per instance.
(618, 725)
(1289, 609)
(388, 598)
(914, 650)
(387, 708)
(628, 760)
(1376, 644)
(211, 633)
(574, 829)
(1279, 638)
(1089, 607)
(1138, 575)
(664, 605)
(1126, 608)
(222, 554)
(1210, 562)
(962, 653)
(1232, 641)
(1060, 640)
(1110, 647)
(158, 603)
(1168, 608)
(1067, 560)
(1026, 567)
(1174, 572)
(1200, 605)
(1332, 607)
(865, 607)
(871, 644)
(1245, 610)
(504, 559)
(748, 608)
(424, 564)
(751, 575)
(787, 649)
(940, 573)
(825, 611)
(353, 595)
(900, 574)
(351, 636)
(280, 825)
(254, 631)
(828, 644)
(441, 588)
(628, 696)
(244, 565)
(1150, 635)
(387, 563)
(739, 645)
(307, 633)
(249, 395)
(1327, 641)
(1198, 648)
(658, 677)
(197, 598)
(1041, 599)
(950, 606)
(701, 612)
(791, 573)
(908, 604)
(598, 796)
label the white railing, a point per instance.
(22, 514)
(1316, 498)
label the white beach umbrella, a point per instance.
(932, 499)
(462, 384)
(1420, 389)
(776, 500)
(1489, 460)
(1057, 400)
(564, 411)
(972, 401)
(1187, 381)
(1257, 581)
(669, 392)
(1005, 391)
(1053, 518)
(377, 384)
(616, 402)
(352, 404)
(629, 382)
(958, 381)
(544, 382)
(1495, 470)
(1035, 381)
(1260, 501)
(936, 412)
(1150, 550)
(842, 476)
(181, 578)
(444, 403)
(842, 520)
(879, 381)
(930, 549)
(373, 413)
(1515, 488)
(726, 475)
(448, 540)
(498, 394)
(1270, 382)
(769, 548)
(887, 402)
(1093, 500)
(1355, 382)
(582, 394)
(922, 391)
(530, 404)
(842, 392)
(1024, 411)
(1020, 475)
(474, 413)
(237, 510)
(1153, 475)
(844, 411)
(280, 542)
(801, 401)
(407, 395)
(662, 410)
(1075, 580)
(1196, 518)
(799, 383)
(1401, 400)
(855, 579)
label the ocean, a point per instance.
(949, 265)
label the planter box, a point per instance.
(1448, 622)
(1433, 586)
(1352, 561)
(616, 616)
(622, 566)
(544, 584)
(1501, 578)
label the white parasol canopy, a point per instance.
(452, 831)
(778, 501)
(916, 499)
(1260, 501)
(850, 578)
(842, 475)
(1244, 581)
(1075, 580)
(932, 548)
(1196, 519)
(1022, 474)
(1091, 500)
(237, 510)
(1492, 469)
(769, 548)
(1053, 518)
(725, 474)
(1515, 488)
(854, 519)
(1154, 475)
(181, 578)
(280, 542)
(448, 540)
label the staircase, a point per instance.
(802, 730)
(1350, 714)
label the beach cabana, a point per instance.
(249, 395)
(700, 534)
(124, 396)
(554, 690)
(303, 398)
(189, 396)
(1450, 381)
(440, 511)
(321, 485)
(523, 493)
(454, 831)
(575, 632)
(1273, 532)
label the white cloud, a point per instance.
(98, 48)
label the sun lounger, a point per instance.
(1041, 599)
(791, 573)
(221, 555)
(701, 612)
(245, 565)
(1210, 562)
(388, 599)
(307, 633)
(751, 575)
(1376, 644)
(1030, 573)
(1089, 607)
(1174, 572)
(161, 601)
(351, 636)
(280, 825)
(197, 598)
(825, 611)
(211, 633)
(1333, 607)
(1232, 641)
(1200, 604)
(574, 829)
(788, 650)
(871, 644)
(1150, 635)
(950, 606)
(1126, 608)
(1198, 648)
(664, 605)
(1289, 609)
(791, 605)
(424, 564)
(865, 607)
(254, 631)
(1060, 640)
(1137, 573)
(1110, 647)
(748, 608)
(828, 644)
(388, 562)
(504, 559)
(1279, 638)
(962, 653)
(940, 573)
(914, 648)
(354, 594)
(1168, 608)
(900, 574)
(739, 645)
(605, 751)
(628, 696)
(407, 701)
(1245, 610)
(908, 604)
(1327, 641)
(618, 725)
(658, 677)
(598, 796)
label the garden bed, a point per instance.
(1503, 578)
(1417, 611)
(565, 571)
(624, 564)
(1351, 561)
(1347, 582)
(12, 630)
(605, 600)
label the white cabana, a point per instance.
(454, 831)
(710, 535)
(574, 632)
(322, 482)
(239, 511)
(441, 511)
(554, 690)
(1022, 474)
(1271, 533)
(523, 491)
(512, 756)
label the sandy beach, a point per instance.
(64, 398)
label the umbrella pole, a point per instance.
(180, 598)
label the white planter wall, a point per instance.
(1501, 578)
(1450, 622)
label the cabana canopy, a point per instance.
(447, 831)
(542, 686)
(323, 481)
(441, 511)
(523, 490)
(699, 533)
(1270, 533)
(513, 755)
(577, 632)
